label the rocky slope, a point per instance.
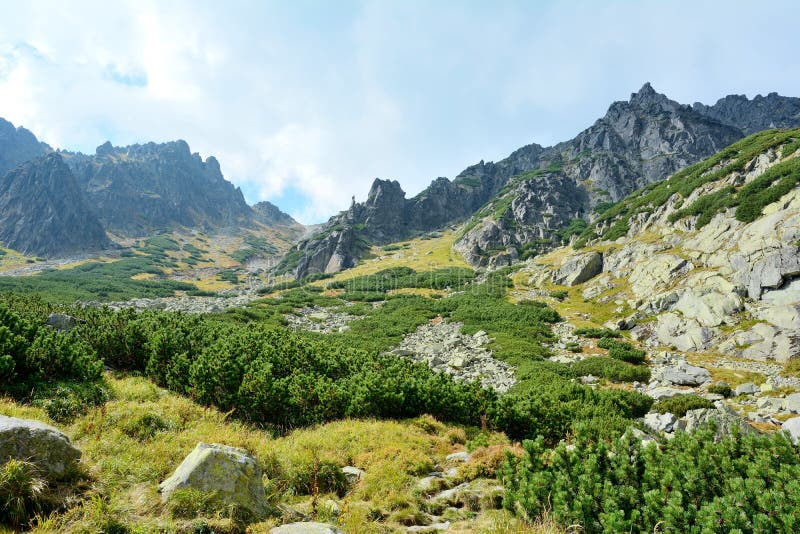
(43, 211)
(142, 188)
(18, 145)
(697, 275)
(525, 198)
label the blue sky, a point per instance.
(304, 103)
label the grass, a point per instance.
(141, 416)
(422, 255)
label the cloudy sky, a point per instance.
(306, 102)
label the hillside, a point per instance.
(521, 202)
(43, 211)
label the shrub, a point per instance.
(559, 295)
(573, 346)
(146, 426)
(680, 404)
(721, 388)
(611, 369)
(318, 477)
(687, 484)
(621, 350)
(596, 333)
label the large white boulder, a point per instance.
(44, 445)
(232, 474)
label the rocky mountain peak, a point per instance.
(18, 145)
(384, 192)
(43, 211)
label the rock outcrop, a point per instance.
(43, 211)
(18, 145)
(231, 474)
(34, 441)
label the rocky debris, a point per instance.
(748, 388)
(321, 320)
(185, 304)
(233, 474)
(579, 269)
(61, 322)
(792, 427)
(44, 445)
(306, 527)
(444, 348)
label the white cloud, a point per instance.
(321, 98)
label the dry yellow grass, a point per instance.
(125, 471)
(418, 254)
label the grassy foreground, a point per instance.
(139, 436)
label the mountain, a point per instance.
(140, 189)
(708, 260)
(43, 211)
(269, 214)
(18, 145)
(520, 204)
(761, 113)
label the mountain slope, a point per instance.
(43, 211)
(707, 261)
(143, 188)
(637, 142)
(18, 145)
(761, 113)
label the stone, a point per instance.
(792, 427)
(685, 374)
(748, 388)
(433, 527)
(772, 404)
(663, 392)
(791, 403)
(660, 422)
(61, 322)
(352, 474)
(462, 456)
(37, 442)
(306, 527)
(232, 473)
(579, 269)
(725, 420)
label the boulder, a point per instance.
(44, 445)
(462, 456)
(61, 322)
(792, 403)
(352, 474)
(792, 427)
(306, 527)
(685, 374)
(724, 419)
(748, 388)
(579, 269)
(231, 473)
(660, 422)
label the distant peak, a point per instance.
(647, 96)
(105, 149)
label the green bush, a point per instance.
(689, 484)
(559, 295)
(611, 369)
(621, 350)
(680, 404)
(596, 333)
(721, 388)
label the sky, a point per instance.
(305, 103)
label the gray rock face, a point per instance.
(44, 445)
(636, 143)
(231, 473)
(141, 188)
(306, 527)
(18, 145)
(760, 113)
(579, 269)
(43, 211)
